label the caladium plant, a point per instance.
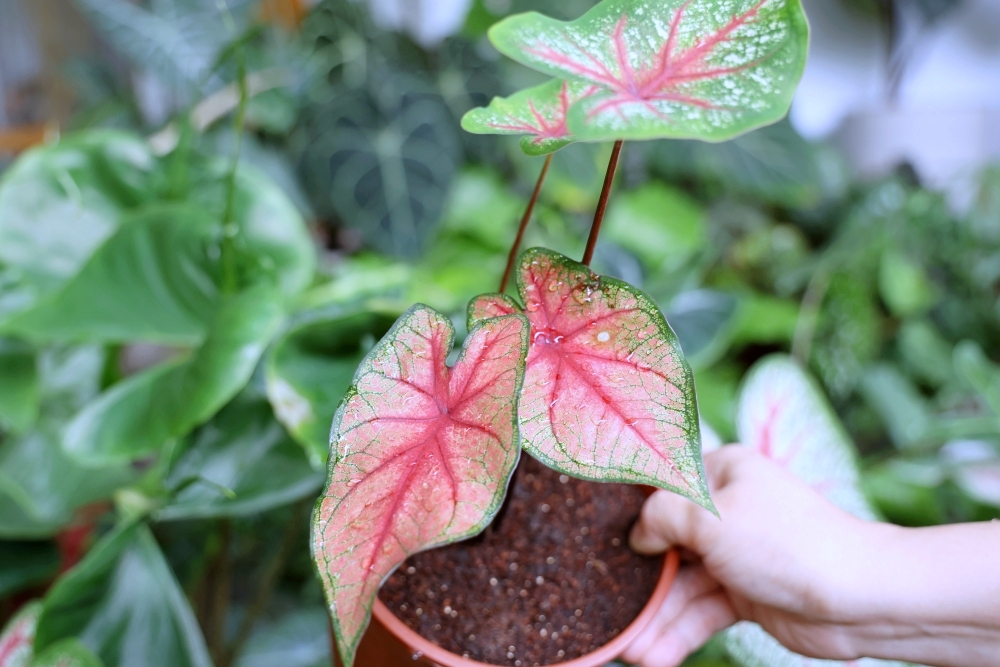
(608, 395)
(421, 455)
(701, 69)
(18, 637)
(541, 113)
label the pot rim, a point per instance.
(598, 658)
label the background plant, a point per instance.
(885, 294)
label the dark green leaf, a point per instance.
(311, 367)
(244, 450)
(139, 415)
(18, 386)
(25, 564)
(704, 321)
(124, 603)
(383, 162)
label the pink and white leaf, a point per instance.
(421, 455)
(540, 113)
(703, 69)
(608, 395)
(18, 637)
(784, 415)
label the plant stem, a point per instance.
(268, 582)
(602, 205)
(524, 224)
(229, 228)
(805, 326)
(219, 600)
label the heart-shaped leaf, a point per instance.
(123, 601)
(310, 368)
(137, 416)
(541, 112)
(18, 637)
(298, 638)
(243, 450)
(420, 455)
(707, 70)
(608, 395)
(67, 653)
(784, 415)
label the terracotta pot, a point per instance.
(390, 643)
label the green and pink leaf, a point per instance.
(705, 69)
(421, 455)
(608, 395)
(18, 637)
(541, 113)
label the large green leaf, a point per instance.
(669, 68)
(541, 113)
(242, 462)
(59, 203)
(139, 415)
(18, 385)
(123, 602)
(24, 564)
(153, 280)
(311, 367)
(660, 225)
(41, 487)
(383, 162)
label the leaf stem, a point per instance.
(524, 224)
(602, 204)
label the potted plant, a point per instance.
(582, 371)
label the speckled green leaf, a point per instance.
(698, 69)
(421, 455)
(608, 394)
(541, 113)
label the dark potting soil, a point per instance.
(552, 580)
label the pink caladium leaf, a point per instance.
(608, 395)
(701, 69)
(421, 455)
(541, 113)
(784, 415)
(18, 638)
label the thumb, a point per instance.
(668, 520)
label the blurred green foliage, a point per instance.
(172, 428)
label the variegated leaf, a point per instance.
(785, 416)
(701, 69)
(18, 637)
(421, 455)
(608, 394)
(541, 113)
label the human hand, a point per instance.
(781, 556)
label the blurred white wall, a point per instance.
(943, 115)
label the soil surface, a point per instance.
(552, 580)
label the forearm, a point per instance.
(931, 596)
